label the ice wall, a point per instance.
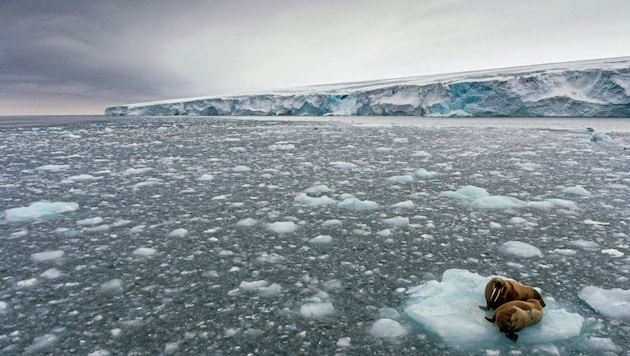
(596, 88)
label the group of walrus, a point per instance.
(516, 306)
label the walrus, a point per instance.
(516, 315)
(500, 291)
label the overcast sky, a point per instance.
(80, 56)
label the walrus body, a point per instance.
(500, 291)
(516, 315)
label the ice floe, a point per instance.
(40, 210)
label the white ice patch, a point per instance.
(321, 240)
(577, 190)
(112, 286)
(520, 249)
(282, 147)
(466, 192)
(41, 343)
(47, 256)
(282, 227)
(181, 232)
(397, 221)
(241, 169)
(144, 251)
(343, 165)
(585, 245)
(450, 310)
(304, 199)
(612, 252)
(498, 202)
(318, 189)
(612, 303)
(423, 173)
(135, 171)
(247, 222)
(357, 204)
(387, 328)
(90, 221)
(407, 204)
(421, 154)
(53, 167)
(270, 258)
(51, 273)
(39, 210)
(317, 310)
(206, 177)
(401, 179)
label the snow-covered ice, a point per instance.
(281, 235)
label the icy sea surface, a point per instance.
(224, 236)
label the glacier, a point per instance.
(591, 88)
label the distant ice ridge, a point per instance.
(574, 89)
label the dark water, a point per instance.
(154, 260)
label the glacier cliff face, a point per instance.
(596, 88)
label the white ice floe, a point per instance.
(304, 199)
(39, 210)
(497, 202)
(41, 343)
(520, 249)
(387, 328)
(247, 222)
(181, 232)
(466, 192)
(577, 190)
(270, 258)
(423, 173)
(317, 310)
(397, 221)
(51, 273)
(449, 309)
(320, 188)
(321, 240)
(612, 303)
(241, 168)
(401, 179)
(144, 251)
(282, 227)
(613, 252)
(421, 154)
(357, 204)
(585, 245)
(407, 204)
(53, 167)
(343, 165)
(47, 256)
(90, 221)
(205, 177)
(134, 171)
(112, 286)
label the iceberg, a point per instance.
(592, 88)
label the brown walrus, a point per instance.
(516, 315)
(500, 291)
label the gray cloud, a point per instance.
(90, 54)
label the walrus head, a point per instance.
(497, 289)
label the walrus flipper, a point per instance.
(484, 308)
(490, 319)
(512, 336)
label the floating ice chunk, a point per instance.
(181, 232)
(39, 210)
(612, 303)
(51, 273)
(270, 291)
(47, 256)
(528, 166)
(26, 283)
(344, 342)
(466, 192)
(282, 147)
(498, 202)
(241, 168)
(592, 222)
(321, 240)
(304, 199)
(577, 190)
(247, 222)
(3, 307)
(423, 173)
(53, 167)
(520, 249)
(81, 177)
(387, 328)
(144, 251)
(585, 245)
(271, 258)
(332, 222)
(421, 154)
(112, 286)
(317, 310)
(206, 177)
(41, 343)
(600, 137)
(320, 188)
(613, 252)
(253, 286)
(449, 310)
(134, 171)
(343, 165)
(90, 221)
(407, 204)
(401, 179)
(357, 204)
(282, 227)
(563, 203)
(602, 344)
(398, 221)
(170, 348)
